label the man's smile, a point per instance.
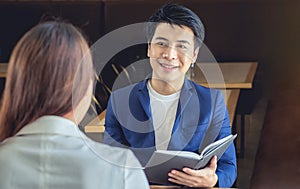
(168, 66)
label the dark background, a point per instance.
(236, 30)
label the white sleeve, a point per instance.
(134, 174)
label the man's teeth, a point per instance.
(168, 66)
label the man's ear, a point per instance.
(195, 54)
(149, 49)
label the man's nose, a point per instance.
(171, 53)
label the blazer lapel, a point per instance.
(185, 96)
(144, 99)
(184, 115)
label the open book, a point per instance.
(163, 161)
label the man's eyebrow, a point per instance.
(178, 41)
(161, 38)
(183, 41)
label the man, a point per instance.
(167, 111)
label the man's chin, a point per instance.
(166, 79)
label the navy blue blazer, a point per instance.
(201, 118)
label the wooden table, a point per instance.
(230, 78)
(227, 75)
(96, 125)
(231, 97)
(3, 70)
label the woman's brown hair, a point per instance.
(49, 72)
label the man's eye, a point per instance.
(182, 47)
(161, 44)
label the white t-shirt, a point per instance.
(163, 110)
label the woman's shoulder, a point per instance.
(116, 156)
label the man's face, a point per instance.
(171, 52)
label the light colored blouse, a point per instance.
(52, 153)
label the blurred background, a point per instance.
(263, 31)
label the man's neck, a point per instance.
(165, 88)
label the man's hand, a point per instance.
(205, 177)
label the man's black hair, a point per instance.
(175, 14)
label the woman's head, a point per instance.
(49, 72)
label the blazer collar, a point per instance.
(186, 93)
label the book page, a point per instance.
(180, 153)
(214, 145)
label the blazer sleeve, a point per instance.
(226, 167)
(113, 134)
